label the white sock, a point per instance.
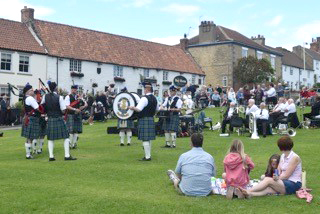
(41, 144)
(28, 149)
(167, 136)
(34, 145)
(129, 135)
(147, 149)
(71, 140)
(66, 148)
(173, 138)
(75, 139)
(122, 135)
(50, 148)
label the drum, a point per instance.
(121, 103)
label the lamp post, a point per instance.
(304, 61)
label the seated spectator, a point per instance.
(315, 109)
(277, 112)
(194, 170)
(237, 166)
(312, 94)
(203, 99)
(231, 95)
(215, 99)
(227, 118)
(304, 94)
(240, 96)
(272, 166)
(289, 179)
(280, 90)
(251, 108)
(99, 111)
(262, 116)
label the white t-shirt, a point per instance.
(271, 92)
(291, 109)
(252, 109)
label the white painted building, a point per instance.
(293, 71)
(33, 49)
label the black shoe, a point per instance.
(39, 152)
(128, 144)
(166, 146)
(264, 136)
(145, 159)
(121, 144)
(1, 134)
(173, 146)
(52, 159)
(70, 158)
(29, 157)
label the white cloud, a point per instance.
(305, 32)
(275, 21)
(181, 11)
(12, 9)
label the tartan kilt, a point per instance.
(43, 127)
(57, 129)
(32, 130)
(171, 124)
(74, 123)
(130, 124)
(146, 129)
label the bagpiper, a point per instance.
(125, 127)
(30, 127)
(56, 129)
(170, 125)
(147, 107)
(75, 104)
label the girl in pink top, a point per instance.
(289, 179)
(237, 166)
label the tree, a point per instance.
(252, 70)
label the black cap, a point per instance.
(27, 88)
(173, 88)
(74, 87)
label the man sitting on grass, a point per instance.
(194, 170)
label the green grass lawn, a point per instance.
(108, 178)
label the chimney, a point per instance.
(207, 33)
(27, 15)
(259, 39)
(184, 42)
(315, 45)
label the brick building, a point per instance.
(217, 50)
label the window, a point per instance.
(300, 72)
(4, 90)
(273, 61)
(165, 75)
(317, 65)
(225, 81)
(244, 52)
(199, 81)
(75, 65)
(193, 79)
(98, 70)
(117, 71)
(5, 62)
(291, 71)
(146, 73)
(259, 55)
(24, 64)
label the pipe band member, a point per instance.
(75, 104)
(31, 125)
(57, 129)
(125, 127)
(171, 124)
(147, 108)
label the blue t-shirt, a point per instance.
(196, 168)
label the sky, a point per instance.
(284, 23)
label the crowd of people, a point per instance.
(195, 168)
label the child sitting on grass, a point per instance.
(237, 166)
(272, 165)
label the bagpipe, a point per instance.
(73, 105)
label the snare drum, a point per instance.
(163, 114)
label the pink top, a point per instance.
(236, 175)
(284, 163)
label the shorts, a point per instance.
(291, 187)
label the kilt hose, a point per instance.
(43, 127)
(57, 129)
(74, 123)
(32, 130)
(171, 123)
(125, 124)
(146, 129)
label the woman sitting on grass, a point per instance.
(272, 166)
(237, 166)
(290, 170)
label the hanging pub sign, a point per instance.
(180, 81)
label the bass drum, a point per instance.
(121, 103)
